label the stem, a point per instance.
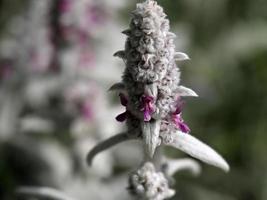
(158, 158)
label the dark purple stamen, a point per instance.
(178, 120)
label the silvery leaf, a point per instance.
(117, 87)
(108, 143)
(197, 149)
(186, 92)
(120, 54)
(150, 132)
(171, 35)
(176, 165)
(127, 32)
(41, 193)
(179, 56)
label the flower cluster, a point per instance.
(148, 184)
(151, 78)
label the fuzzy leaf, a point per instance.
(176, 165)
(198, 149)
(106, 144)
(120, 54)
(186, 92)
(171, 35)
(127, 32)
(117, 87)
(179, 56)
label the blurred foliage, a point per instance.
(226, 40)
(9, 8)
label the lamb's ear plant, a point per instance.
(152, 96)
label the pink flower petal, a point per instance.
(87, 111)
(147, 107)
(183, 127)
(65, 6)
(147, 116)
(179, 122)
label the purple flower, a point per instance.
(65, 6)
(95, 14)
(5, 71)
(178, 120)
(123, 116)
(87, 58)
(147, 107)
(87, 111)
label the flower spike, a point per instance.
(151, 82)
